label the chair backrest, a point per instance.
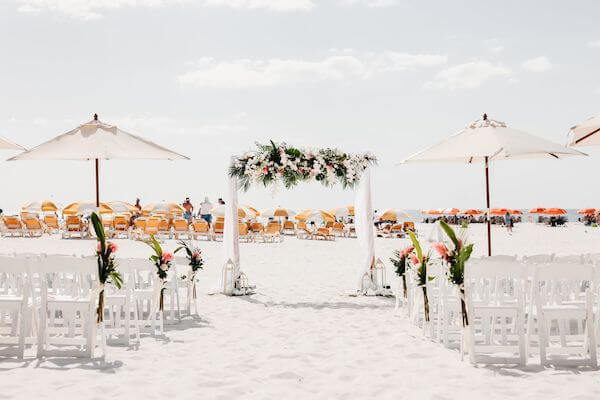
(51, 221)
(301, 225)
(15, 275)
(218, 227)
(73, 222)
(163, 225)
(397, 227)
(338, 226)
(323, 231)
(152, 225)
(556, 282)
(409, 226)
(329, 224)
(121, 222)
(495, 282)
(272, 229)
(257, 227)
(180, 224)
(243, 229)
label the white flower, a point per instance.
(164, 267)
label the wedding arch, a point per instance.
(275, 163)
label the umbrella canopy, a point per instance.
(86, 208)
(395, 215)
(451, 211)
(6, 144)
(163, 208)
(555, 211)
(499, 211)
(243, 211)
(278, 212)
(40, 206)
(96, 140)
(340, 212)
(315, 215)
(586, 133)
(537, 210)
(587, 211)
(122, 207)
(486, 140)
(515, 212)
(472, 211)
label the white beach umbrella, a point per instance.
(243, 211)
(395, 215)
(97, 141)
(122, 207)
(486, 140)
(6, 144)
(585, 134)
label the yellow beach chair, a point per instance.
(75, 227)
(13, 226)
(33, 227)
(181, 228)
(200, 228)
(52, 224)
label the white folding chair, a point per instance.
(146, 294)
(184, 269)
(120, 310)
(562, 293)
(495, 308)
(16, 306)
(68, 297)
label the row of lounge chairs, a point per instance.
(397, 230)
(29, 226)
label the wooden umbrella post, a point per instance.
(487, 195)
(97, 184)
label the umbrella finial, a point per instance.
(95, 117)
(484, 116)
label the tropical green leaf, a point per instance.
(99, 228)
(417, 245)
(450, 232)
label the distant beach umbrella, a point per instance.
(40, 206)
(488, 140)
(278, 212)
(163, 207)
(499, 211)
(395, 216)
(122, 207)
(587, 211)
(451, 211)
(97, 141)
(243, 211)
(315, 215)
(86, 208)
(472, 211)
(341, 212)
(537, 210)
(586, 133)
(515, 212)
(555, 211)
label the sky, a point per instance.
(209, 78)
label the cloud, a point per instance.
(469, 75)
(493, 46)
(246, 73)
(593, 43)
(92, 9)
(370, 3)
(537, 64)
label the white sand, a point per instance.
(300, 336)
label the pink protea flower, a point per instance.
(441, 249)
(408, 250)
(265, 170)
(113, 247)
(166, 257)
(414, 259)
(196, 255)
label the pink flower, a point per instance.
(441, 249)
(265, 170)
(166, 257)
(407, 250)
(329, 167)
(196, 255)
(414, 259)
(113, 247)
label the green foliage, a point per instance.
(399, 262)
(194, 255)
(457, 257)
(107, 266)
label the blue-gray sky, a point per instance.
(208, 78)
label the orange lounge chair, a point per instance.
(339, 229)
(52, 224)
(288, 228)
(324, 233)
(244, 233)
(164, 228)
(75, 227)
(181, 228)
(13, 226)
(200, 228)
(272, 233)
(150, 227)
(218, 228)
(409, 226)
(121, 226)
(34, 227)
(397, 231)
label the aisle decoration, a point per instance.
(107, 266)
(194, 256)
(400, 263)
(163, 262)
(419, 262)
(278, 162)
(456, 258)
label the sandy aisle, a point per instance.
(300, 336)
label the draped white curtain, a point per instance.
(231, 243)
(365, 230)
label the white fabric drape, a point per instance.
(231, 233)
(365, 230)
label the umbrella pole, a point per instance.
(487, 197)
(97, 184)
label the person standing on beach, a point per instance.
(138, 205)
(508, 222)
(205, 208)
(189, 209)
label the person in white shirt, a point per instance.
(204, 212)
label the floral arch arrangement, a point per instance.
(273, 163)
